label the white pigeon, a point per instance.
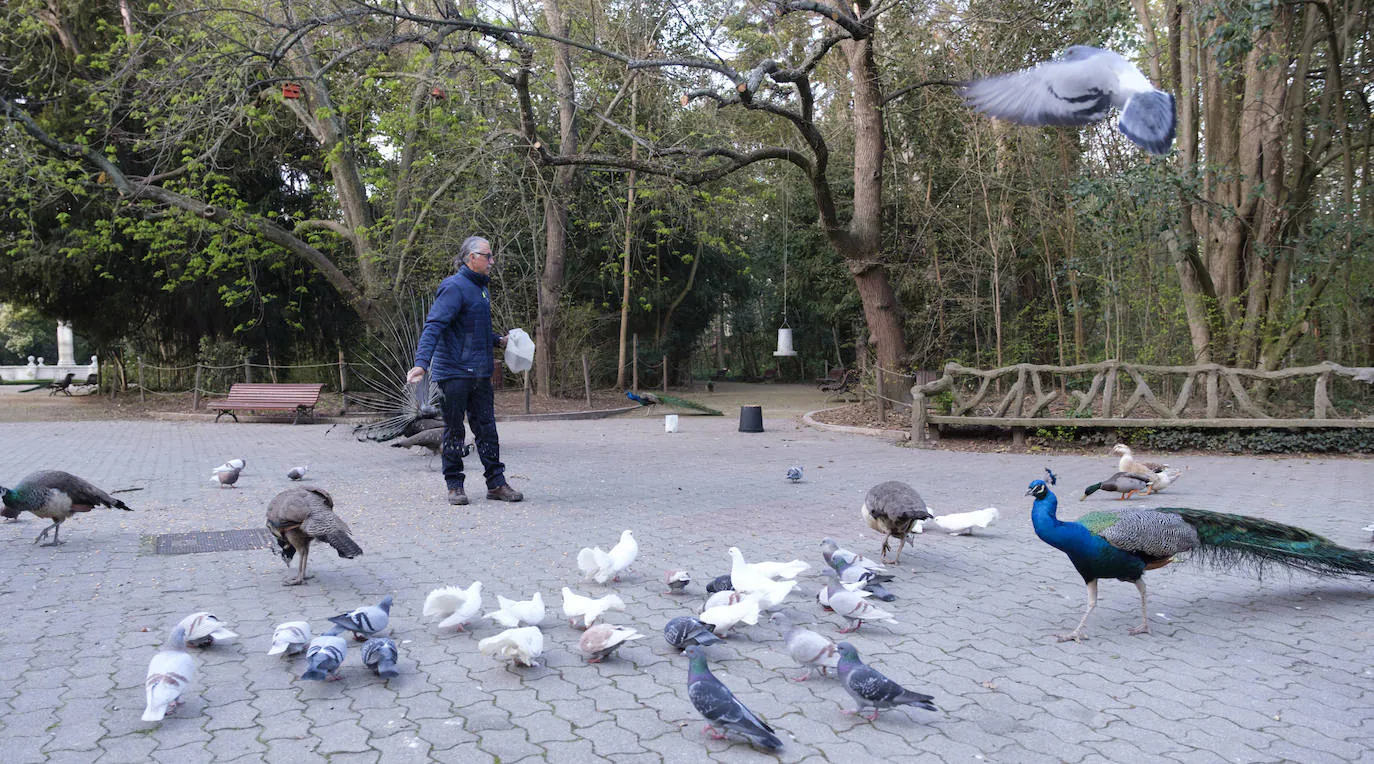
(603, 639)
(723, 597)
(723, 618)
(296, 473)
(601, 567)
(520, 646)
(290, 638)
(512, 613)
(855, 608)
(963, 523)
(169, 672)
(576, 606)
(744, 577)
(770, 597)
(788, 570)
(1164, 478)
(204, 629)
(457, 607)
(1080, 88)
(232, 464)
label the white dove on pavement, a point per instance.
(290, 638)
(600, 566)
(520, 646)
(456, 607)
(576, 606)
(512, 613)
(169, 672)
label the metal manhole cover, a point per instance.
(214, 541)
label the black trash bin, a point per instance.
(751, 419)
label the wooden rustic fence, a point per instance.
(1207, 395)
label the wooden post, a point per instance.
(665, 375)
(526, 374)
(587, 380)
(247, 371)
(140, 379)
(878, 392)
(195, 392)
(634, 366)
(343, 383)
(918, 420)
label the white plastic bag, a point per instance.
(519, 350)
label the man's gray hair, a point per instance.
(468, 246)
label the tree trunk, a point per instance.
(625, 254)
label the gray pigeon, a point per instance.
(794, 474)
(296, 473)
(720, 584)
(809, 649)
(324, 656)
(364, 621)
(225, 475)
(1080, 88)
(871, 689)
(873, 582)
(685, 630)
(721, 708)
(56, 496)
(380, 654)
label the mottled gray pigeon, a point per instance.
(324, 656)
(721, 708)
(685, 630)
(54, 495)
(364, 621)
(719, 584)
(379, 653)
(225, 475)
(794, 474)
(296, 473)
(871, 689)
(872, 581)
(1080, 88)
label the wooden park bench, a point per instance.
(297, 397)
(61, 385)
(1203, 396)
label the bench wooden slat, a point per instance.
(300, 397)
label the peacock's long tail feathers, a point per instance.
(1232, 540)
(684, 403)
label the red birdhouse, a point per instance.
(437, 93)
(291, 90)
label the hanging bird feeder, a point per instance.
(291, 90)
(785, 331)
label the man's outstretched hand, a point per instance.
(415, 375)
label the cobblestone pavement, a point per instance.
(1236, 669)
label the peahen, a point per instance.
(1123, 544)
(298, 516)
(54, 495)
(659, 399)
(893, 508)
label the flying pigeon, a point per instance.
(457, 607)
(602, 640)
(576, 606)
(520, 646)
(1080, 88)
(512, 613)
(324, 656)
(685, 630)
(794, 474)
(204, 629)
(721, 708)
(379, 654)
(677, 581)
(720, 584)
(225, 475)
(296, 473)
(854, 608)
(870, 689)
(809, 649)
(169, 672)
(601, 567)
(290, 638)
(364, 621)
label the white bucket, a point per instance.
(670, 423)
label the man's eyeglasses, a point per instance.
(487, 255)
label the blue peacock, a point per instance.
(660, 399)
(54, 495)
(1123, 544)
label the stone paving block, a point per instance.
(184, 753)
(232, 744)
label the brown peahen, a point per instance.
(298, 516)
(54, 495)
(892, 508)
(1123, 544)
